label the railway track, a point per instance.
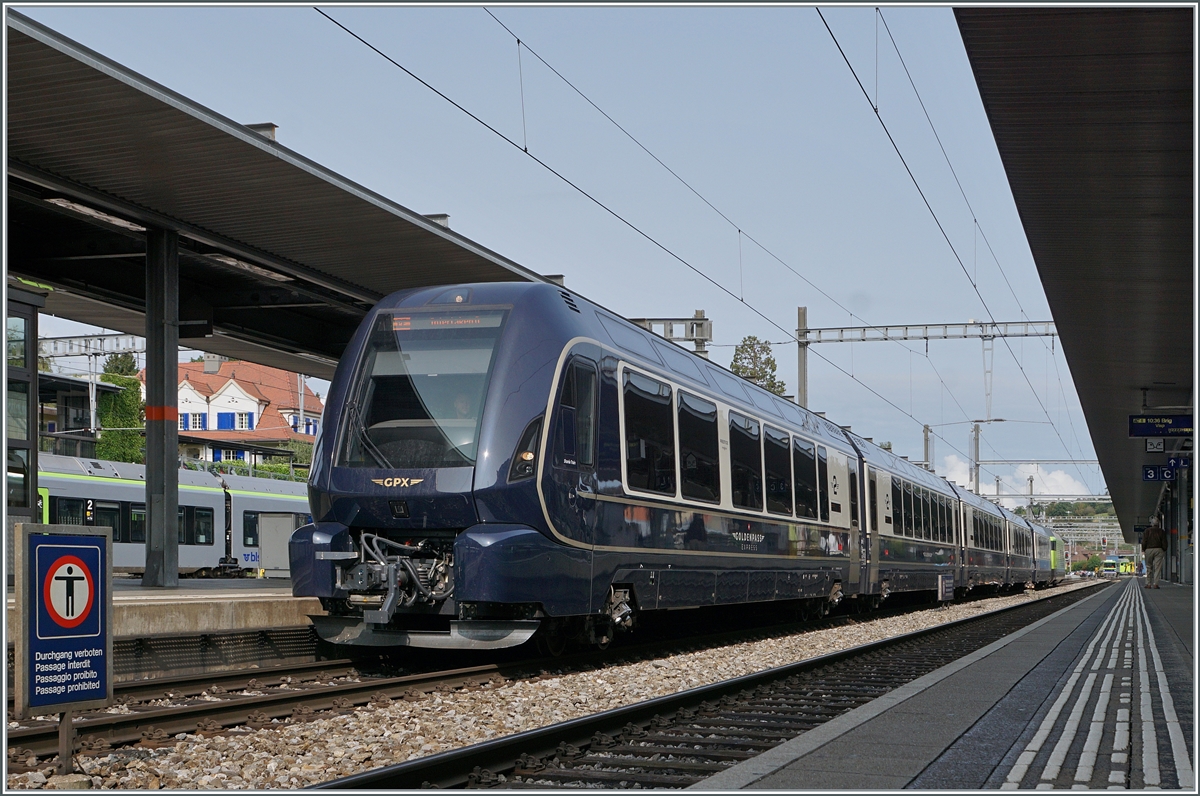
(231, 702)
(678, 740)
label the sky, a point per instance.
(787, 190)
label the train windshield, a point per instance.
(419, 392)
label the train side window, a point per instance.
(250, 528)
(943, 519)
(699, 449)
(745, 462)
(908, 509)
(852, 473)
(823, 481)
(137, 522)
(649, 435)
(70, 511)
(872, 500)
(804, 462)
(927, 511)
(183, 526)
(779, 470)
(109, 514)
(897, 507)
(204, 526)
(919, 517)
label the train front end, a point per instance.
(420, 409)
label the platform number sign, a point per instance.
(63, 589)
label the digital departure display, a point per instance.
(420, 321)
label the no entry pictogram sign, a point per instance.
(69, 590)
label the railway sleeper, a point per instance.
(642, 763)
(660, 747)
(565, 776)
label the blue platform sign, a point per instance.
(1179, 462)
(1150, 473)
(63, 589)
(1166, 473)
(1160, 425)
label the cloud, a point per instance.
(1015, 482)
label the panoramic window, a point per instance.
(649, 435)
(823, 481)
(699, 449)
(804, 460)
(745, 462)
(779, 471)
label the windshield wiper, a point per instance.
(360, 430)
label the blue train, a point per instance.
(503, 459)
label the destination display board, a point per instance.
(63, 591)
(1160, 425)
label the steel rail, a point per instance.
(476, 764)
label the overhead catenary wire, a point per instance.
(715, 209)
(941, 228)
(662, 247)
(978, 228)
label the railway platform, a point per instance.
(202, 606)
(1096, 696)
(204, 626)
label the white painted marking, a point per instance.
(1119, 757)
(1179, 752)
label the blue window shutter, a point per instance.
(250, 421)
(204, 422)
(216, 454)
(225, 421)
(183, 421)
(241, 455)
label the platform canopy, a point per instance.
(279, 257)
(1092, 110)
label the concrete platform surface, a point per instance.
(1097, 695)
(202, 606)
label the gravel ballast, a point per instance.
(285, 755)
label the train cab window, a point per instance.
(823, 481)
(70, 511)
(577, 417)
(852, 470)
(109, 515)
(779, 470)
(699, 449)
(417, 398)
(745, 462)
(804, 462)
(649, 435)
(204, 526)
(250, 528)
(137, 522)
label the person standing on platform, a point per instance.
(1154, 546)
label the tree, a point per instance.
(887, 446)
(123, 410)
(121, 364)
(753, 361)
(1095, 562)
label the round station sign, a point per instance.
(69, 590)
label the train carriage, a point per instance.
(1021, 560)
(76, 491)
(502, 458)
(1043, 554)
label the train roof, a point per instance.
(975, 501)
(886, 460)
(100, 468)
(273, 486)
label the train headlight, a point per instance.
(524, 460)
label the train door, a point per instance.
(837, 485)
(574, 459)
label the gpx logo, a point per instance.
(400, 482)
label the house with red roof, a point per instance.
(242, 411)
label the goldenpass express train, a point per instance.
(218, 514)
(500, 459)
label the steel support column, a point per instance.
(162, 408)
(802, 356)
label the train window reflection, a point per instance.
(649, 435)
(909, 517)
(804, 461)
(745, 462)
(779, 471)
(137, 522)
(577, 416)
(699, 456)
(204, 526)
(897, 507)
(853, 475)
(109, 515)
(421, 388)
